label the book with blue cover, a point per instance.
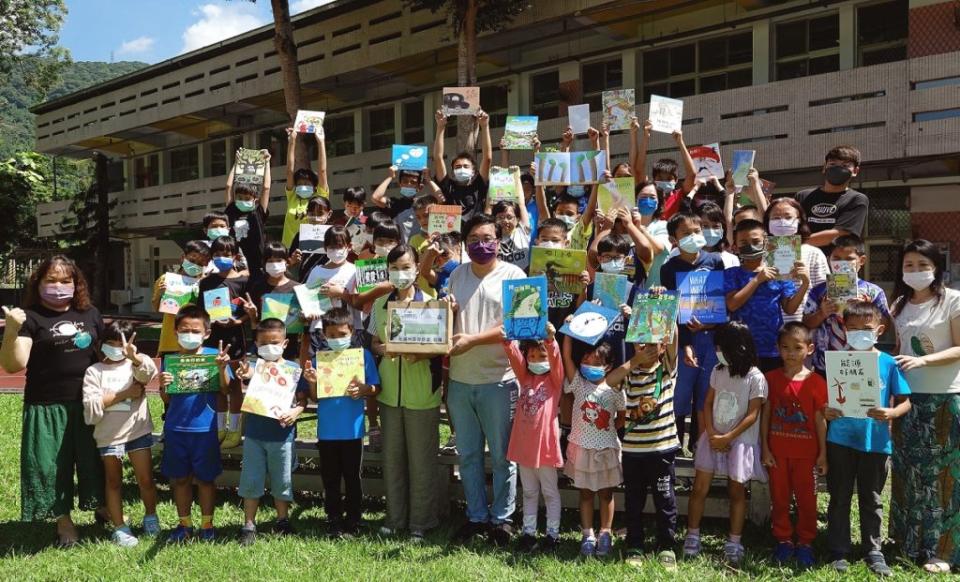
(525, 310)
(406, 157)
(702, 296)
(610, 289)
(590, 323)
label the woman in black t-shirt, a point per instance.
(55, 337)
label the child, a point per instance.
(793, 437)
(421, 210)
(440, 258)
(361, 235)
(403, 209)
(515, 233)
(823, 315)
(275, 280)
(858, 448)
(302, 185)
(228, 332)
(300, 263)
(268, 443)
(553, 234)
(756, 296)
(386, 236)
(354, 200)
(535, 437)
(114, 402)
(215, 225)
(337, 270)
(248, 215)
(715, 232)
(593, 449)
(191, 450)
(193, 263)
(785, 217)
(340, 429)
(730, 444)
(467, 183)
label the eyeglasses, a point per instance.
(472, 240)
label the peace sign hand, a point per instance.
(129, 348)
(243, 369)
(223, 355)
(249, 307)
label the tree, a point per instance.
(22, 186)
(470, 17)
(29, 32)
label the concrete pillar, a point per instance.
(358, 126)
(631, 69)
(514, 104)
(848, 36)
(761, 52)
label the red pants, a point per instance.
(794, 478)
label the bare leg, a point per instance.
(606, 509)
(183, 495)
(65, 529)
(586, 509)
(250, 507)
(207, 492)
(142, 462)
(236, 399)
(283, 509)
(113, 476)
(698, 498)
(738, 506)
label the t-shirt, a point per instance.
(924, 329)
(341, 418)
(345, 276)
(731, 401)
(64, 345)
(193, 412)
(704, 262)
(793, 408)
(818, 268)
(250, 230)
(232, 335)
(480, 309)
(830, 335)
(845, 211)
(296, 212)
(515, 249)
(471, 197)
(672, 203)
(595, 408)
(866, 434)
(761, 312)
(534, 213)
(658, 230)
(658, 434)
(264, 428)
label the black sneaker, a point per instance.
(283, 528)
(878, 565)
(500, 535)
(248, 536)
(548, 545)
(351, 529)
(335, 531)
(468, 531)
(527, 543)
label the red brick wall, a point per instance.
(938, 227)
(933, 30)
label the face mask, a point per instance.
(712, 236)
(784, 226)
(666, 187)
(303, 191)
(270, 352)
(402, 279)
(692, 243)
(215, 233)
(245, 205)
(408, 191)
(919, 280)
(538, 368)
(843, 266)
(593, 373)
(56, 294)
(577, 191)
(112, 353)
(549, 244)
(189, 341)
(482, 253)
(647, 206)
(613, 266)
(462, 175)
(750, 251)
(721, 359)
(570, 221)
(223, 263)
(337, 255)
(338, 344)
(838, 175)
(382, 251)
(190, 268)
(276, 268)
(359, 241)
(861, 339)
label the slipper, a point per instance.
(936, 566)
(668, 559)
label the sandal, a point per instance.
(936, 566)
(668, 559)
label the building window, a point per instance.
(545, 95)
(338, 132)
(218, 158)
(882, 32)
(115, 178)
(712, 64)
(807, 47)
(493, 100)
(381, 132)
(413, 122)
(599, 77)
(184, 164)
(146, 171)
(275, 142)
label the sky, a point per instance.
(155, 30)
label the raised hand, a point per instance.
(244, 370)
(223, 355)
(309, 373)
(551, 332)
(647, 127)
(441, 119)
(291, 134)
(483, 118)
(249, 307)
(14, 317)
(129, 348)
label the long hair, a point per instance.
(902, 293)
(803, 229)
(81, 292)
(735, 341)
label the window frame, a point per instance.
(595, 98)
(807, 55)
(389, 133)
(538, 109)
(175, 178)
(663, 86)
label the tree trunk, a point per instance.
(286, 48)
(101, 269)
(467, 75)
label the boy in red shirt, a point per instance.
(793, 434)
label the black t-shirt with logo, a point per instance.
(471, 197)
(845, 211)
(233, 336)
(251, 233)
(64, 346)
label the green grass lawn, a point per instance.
(26, 552)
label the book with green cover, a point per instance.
(335, 371)
(654, 318)
(562, 268)
(192, 374)
(842, 287)
(504, 184)
(370, 272)
(616, 193)
(312, 303)
(782, 253)
(276, 306)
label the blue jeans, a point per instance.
(485, 412)
(261, 459)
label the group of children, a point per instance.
(605, 415)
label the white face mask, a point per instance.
(613, 266)
(784, 226)
(721, 359)
(382, 251)
(550, 245)
(112, 353)
(402, 279)
(570, 221)
(862, 339)
(462, 175)
(359, 241)
(270, 352)
(276, 268)
(190, 341)
(337, 255)
(919, 280)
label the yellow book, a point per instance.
(335, 371)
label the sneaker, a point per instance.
(783, 553)
(208, 534)
(668, 559)
(386, 531)
(232, 440)
(334, 531)
(283, 528)
(733, 553)
(500, 535)
(878, 565)
(468, 531)
(151, 526)
(375, 442)
(527, 543)
(805, 556)
(248, 536)
(417, 536)
(548, 544)
(604, 544)
(840, 564)
(450, 447)
(691, 547)
(123, 537)
(180, 535)
(351, 529)
(588, 546)
(634, 558)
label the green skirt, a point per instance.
(54, 443)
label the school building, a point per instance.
(789, 79)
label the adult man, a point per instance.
(834, 209)
(467, 185)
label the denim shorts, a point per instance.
(144, 442)
(262, 459)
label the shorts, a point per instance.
(139, 443)
(263, 459)
(195, 454)
(693, 383)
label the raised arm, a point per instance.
(591, 209)
(755, 190)
(291, 157)
(639, 164)
(483, 120)
(689, 168)
(15, 351)
(322, 183)
(439, 166)
(728, 203)
(641, 243)
(379, 196)
(228, 191)
(569, 367)
(267, 179)
(617, 375)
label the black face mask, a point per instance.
(838, 175)
(752, 251)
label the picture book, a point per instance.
(192, 373)
(251, 165)
(525, 308)
(842, 287)
(294, 320)
(309, 122)
(311, 237)
(666, 114)
(520, 132)
(217, 304)
(579, 118)
(610, 289)
(336, 370)
(742, 162)
(419, 327)
(562, 268)
(553, 168)
(504, 184)
(766, 186)
(587, 166)
(654, 318)
(706, 158)
(444, 219)
(312, 303)
(702, 296)
(853, 382)
(370, 272)
(782, 253)
(616, 193)
(407, 157)
(180, 290)
(271, 389)
(461, 100)
(276, 306)
(619, 106)
(590, 323)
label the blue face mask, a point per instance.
(338, 344)
(304, 191)
(665, 187)
(593, 373)
(577, 191)
(245, 205)
(462, 175)
(538, 368)
(647, 206)
(712, 236)
(223, 263)
(408, 191)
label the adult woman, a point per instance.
(55, 338)
(649, 207)
(926, 455)
(785, 217)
